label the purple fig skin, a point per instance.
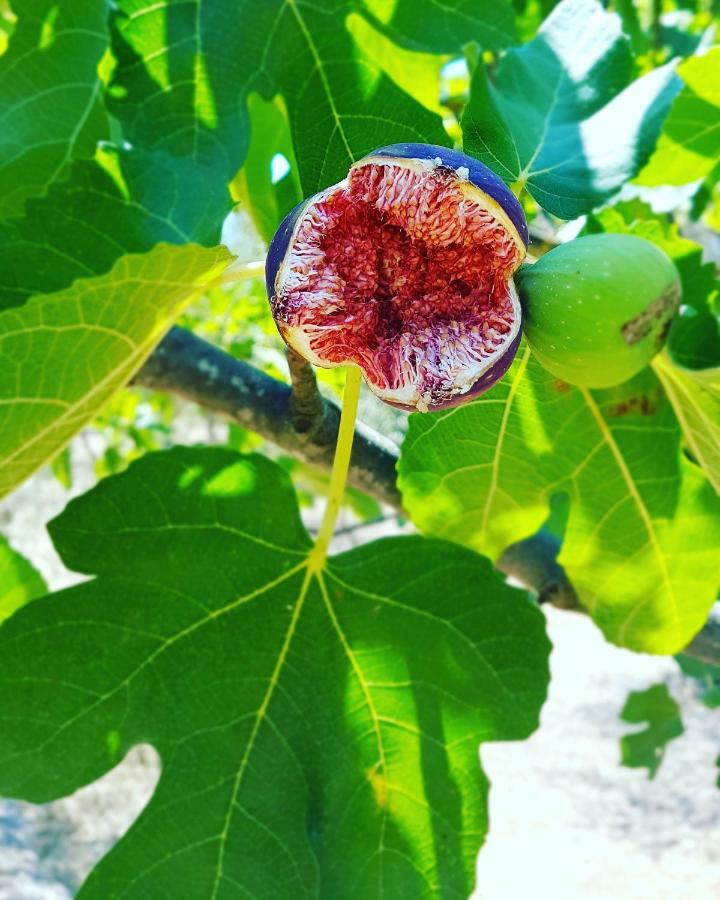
(481, 177)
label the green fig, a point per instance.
(597, 309)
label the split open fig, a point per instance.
(404, 269)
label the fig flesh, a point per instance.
(404, 269)
(597, 309)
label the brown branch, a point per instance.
(190, 367)
(305, 424)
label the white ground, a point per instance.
(568, 822)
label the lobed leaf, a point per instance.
(642, 542)
(63, 355)
(561, 116)
(318, 733)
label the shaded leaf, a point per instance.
(562, 117)
(181, 84)
(642, 541)
(645, 749)
(123, 202)
(20, 582)
(319, 733)
(63, 355)
(50, 89)
(689, 145)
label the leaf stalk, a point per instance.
(338, 476)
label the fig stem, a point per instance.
(338, 476)
(235, 272)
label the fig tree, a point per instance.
(597, 309)
(404, 269)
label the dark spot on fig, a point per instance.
(562, 387)
(660, 310)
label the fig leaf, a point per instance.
(642, 542)
(63, 355)
(561, 117)
(318, 734)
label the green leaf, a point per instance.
(50, 90)
(645, 749)
(695, 397)
(20, 582)
(319, 733)
(123, 202)
(424, 25)
(185, 71)
(63, 355)
(642, 543)
(562, 117)
(689, 145)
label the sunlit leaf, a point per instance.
(319, 733)
(695, 396)
(63, 355)
(642, 542)
(689, 145)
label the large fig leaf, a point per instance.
(122, 202)
(19, 580)
(642, 543)
(185, 70)
(63, 355)
(561, 117)
(318, 733)
(689, 145)
(50, 90)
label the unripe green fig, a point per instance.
(597, 309)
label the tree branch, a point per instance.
(303, 422)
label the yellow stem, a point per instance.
(240, 272)
(341, 464)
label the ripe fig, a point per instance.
(597, 309)
(404, 269)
